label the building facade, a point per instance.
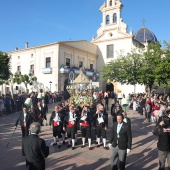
(53, 63)
(113, 39)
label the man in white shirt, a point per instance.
(56, 123)
(24, 120)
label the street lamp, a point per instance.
(50, 85)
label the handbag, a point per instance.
(156, 130)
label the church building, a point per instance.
(57, 64)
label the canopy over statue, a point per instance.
(81, 79)
(81, 90)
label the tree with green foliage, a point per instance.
(5, 67)
(167, 45)
(141, 67)
(124, 69)
(166, 59)
(26, 79)
(153, 66)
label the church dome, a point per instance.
(145, 35)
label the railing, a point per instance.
(47, 70)
(89, 72)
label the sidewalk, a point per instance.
(142, 156)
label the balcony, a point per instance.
(31, 72)
(47, 70)
(66, 70)
(18, 72)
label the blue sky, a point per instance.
(46, 21)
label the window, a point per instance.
(32, 69)
(114, 18)
(48, 62)
(110, 2)
(18, 69)
(107, 19)
(31, 55)
(18, 57)
(68, 62)
(110, 50)
(91, 66)
(80, 64)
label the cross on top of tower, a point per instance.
(143, 22)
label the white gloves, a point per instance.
(110, 145)
(128, 151)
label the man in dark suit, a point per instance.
(120, 143)
(24, 120)
(44, 111)
(126, 119)
(39, 113)
(35, 149)
(115, 110)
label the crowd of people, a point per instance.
(13, 103)
(68, 119)
(152, 106)
(156, 109)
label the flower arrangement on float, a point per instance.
(80, 91)
(80, 100)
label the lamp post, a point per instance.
(50, 85)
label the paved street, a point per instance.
(142, 156)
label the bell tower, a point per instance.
(111, 12)
(111, 19)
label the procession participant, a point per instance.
(78, 110)
(101, 125)
(35, 149)
(63, 112)
(70, 126)
(44, 111)
(106, 98)
(85, 122)
(67, 105)
(24, 120)
(126, 119)
(120, 143)
(56, 122)
(34, 102)
(39, 113)
(105, 113)
(115, 111)
(32, 113)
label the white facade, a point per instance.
(59, 53)
(113, 32)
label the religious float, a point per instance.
(81, 90)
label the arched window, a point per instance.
(110, 3)
(114, 18)
(107, 19)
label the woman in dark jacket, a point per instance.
(164, 141)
